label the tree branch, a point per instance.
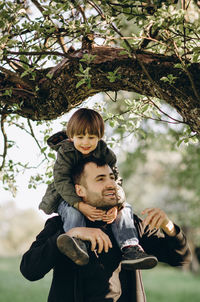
(5, 141)
(34, 137)
(59, 94)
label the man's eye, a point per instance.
(100, 179)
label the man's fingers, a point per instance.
(155, 218)
(148, 219)
(159, 223)
(154, 222)
(151, 214)
(99, 239)
(106, 243)
(93, 243)
(147, 211)
(100, 244)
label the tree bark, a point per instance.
(140, 73)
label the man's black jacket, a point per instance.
(102, 280)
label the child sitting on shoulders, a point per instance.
(83, 138)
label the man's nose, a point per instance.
(111, 183)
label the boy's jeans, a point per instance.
(123, 227)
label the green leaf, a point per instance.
(52, 155)
(81, 82)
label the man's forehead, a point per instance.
(91, 169)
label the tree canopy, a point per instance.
(54, 54)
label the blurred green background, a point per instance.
(161, 284)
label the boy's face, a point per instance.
(85, 143)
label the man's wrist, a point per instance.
(170, 229)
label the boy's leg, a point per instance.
(73, 248)
(71, 217)
(124, 230)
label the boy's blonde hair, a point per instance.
(85, 121)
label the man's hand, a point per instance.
(157, 218)
(94, 235)
(111, 215)
(90, 212)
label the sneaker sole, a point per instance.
(72, 250)
(134, 264)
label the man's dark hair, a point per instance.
(78, 169)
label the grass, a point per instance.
(162, 284)
(14, 287)
(168, 284)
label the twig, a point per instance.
(154, 104)
(136, 38)
(5, 141)
(59, 37)
(133, 52)
(36, 53)
(34, 137)
(147, 117)
(187, 72)
(113, 100)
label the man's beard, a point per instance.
(101, 201)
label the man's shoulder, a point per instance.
(54, 222)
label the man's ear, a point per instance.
(80, 190)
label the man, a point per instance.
(102, 279)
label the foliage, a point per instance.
(36, 34)
(158, 174)
(18, 229)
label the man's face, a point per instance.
(98, 187)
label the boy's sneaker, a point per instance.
(134, 257)
(73, 248)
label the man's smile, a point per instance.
(110, 193)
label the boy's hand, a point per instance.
(90, 212)
(111, 215)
